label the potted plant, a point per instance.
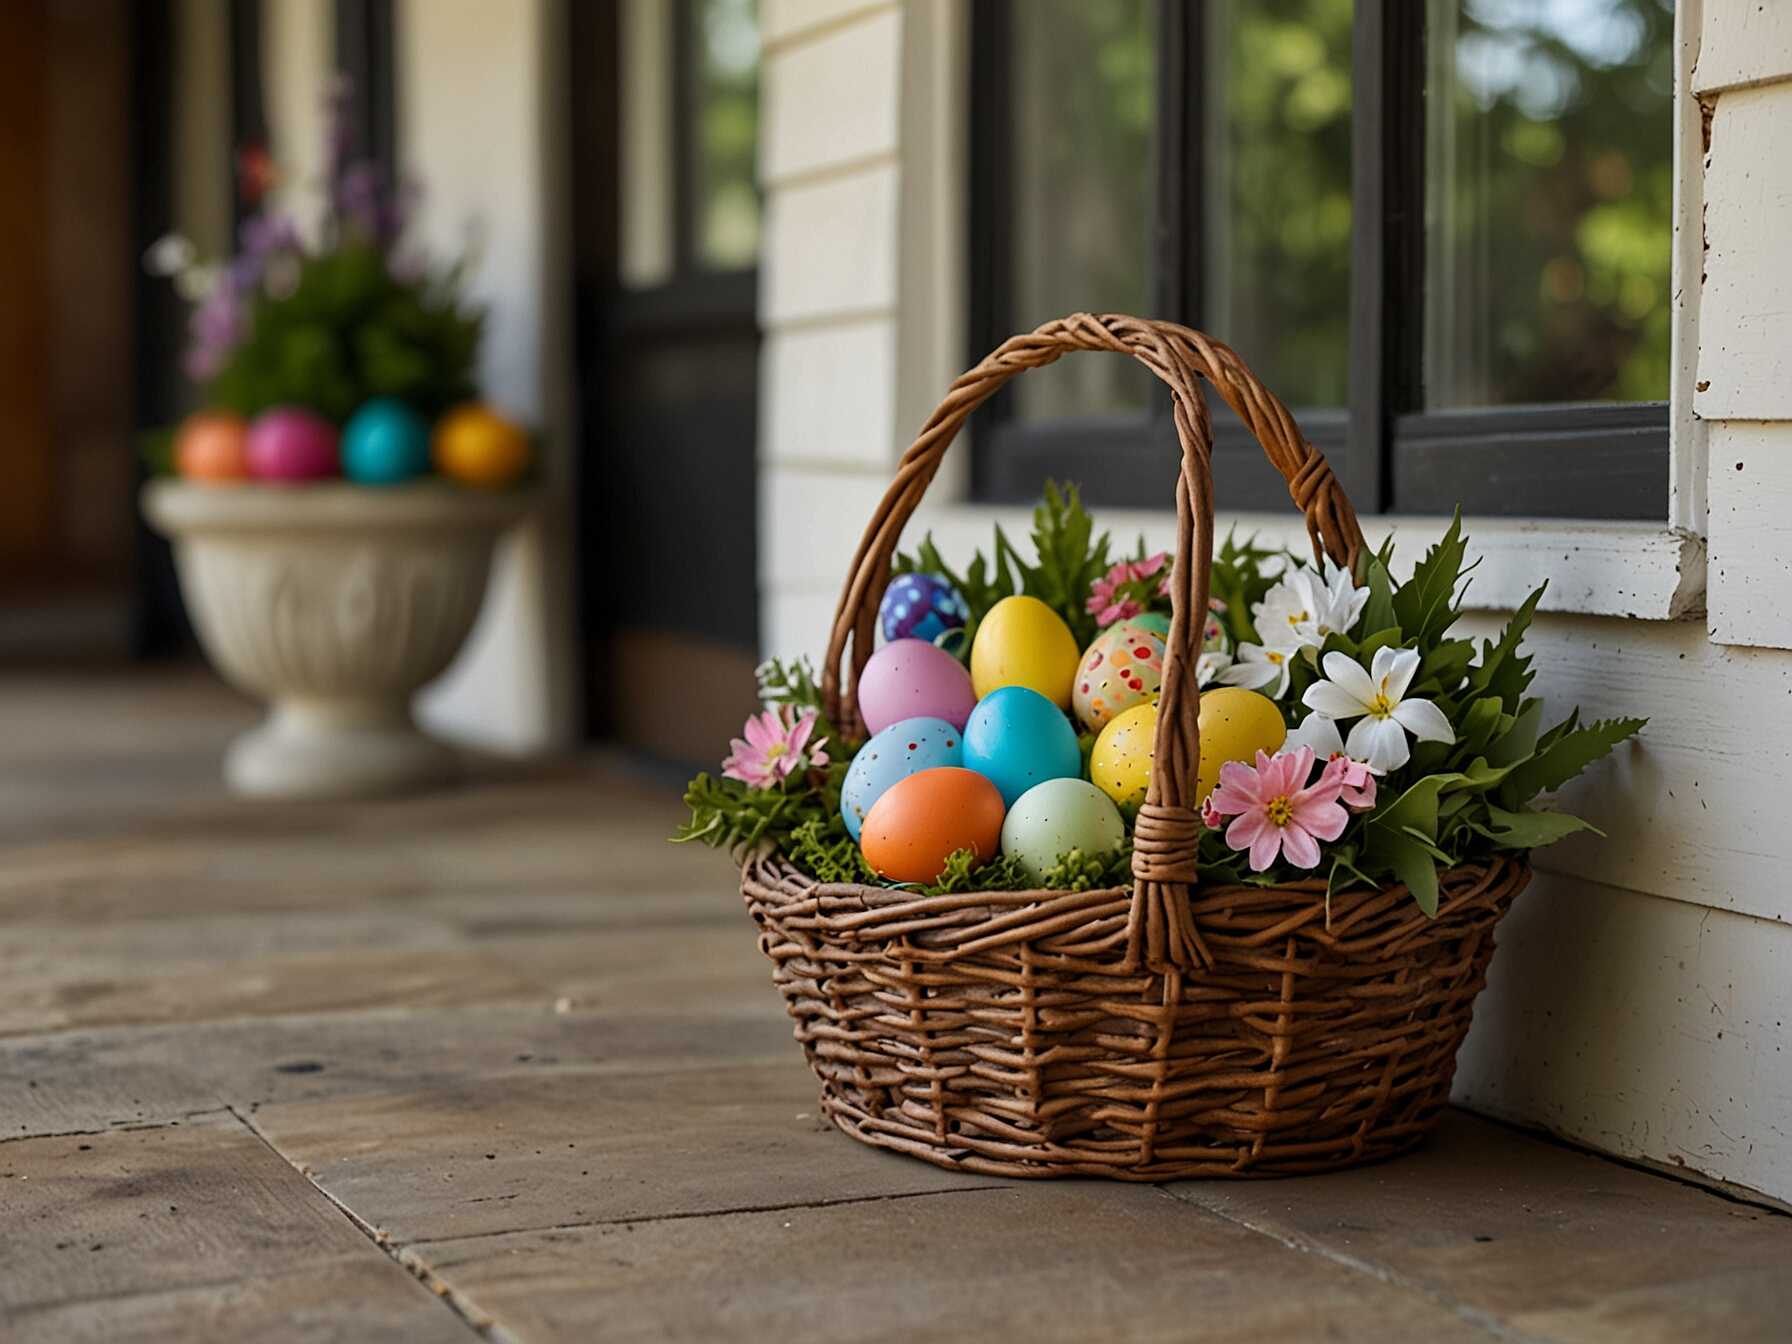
(335, 504)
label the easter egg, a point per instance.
(1023, 642)
(1154, 621)
(1123, 667)
(921, 606)
(476, 446)
(911, 679)
(289, 443)
(384, 443)
(1120, 763)
(212, 446)
(921, 821)
(1051, 819)
(1018, 739)
(1235, 725)
(901, 750)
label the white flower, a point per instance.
(1304, 608)
(1318, 733)
(1258, 666)
(1210, 665)
(1376, 698)
(168, 255)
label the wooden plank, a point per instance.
(1745, 311)
(118, 1235)
(1741, 44)
(1751, 531)
(1043, 1263)
(94, 1080)
(141, 974)
(477, 1155)
(1556, 1243)
(1651, 1029)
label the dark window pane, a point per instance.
(726, 87)
(1549, 201)
(1085, 89)
(1278, 174)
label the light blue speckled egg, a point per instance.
(902, 749)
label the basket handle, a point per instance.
(1160, 930)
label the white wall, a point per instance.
(481, 120)
(1639, 1003)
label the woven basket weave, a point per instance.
(1147, 1033)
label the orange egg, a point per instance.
(212, 446)
(476, 446)
(918, 824)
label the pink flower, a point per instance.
(775, 749)
(1275, 811)
(1356, 786)
(1125, 590)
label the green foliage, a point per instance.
(1068, 558)
(1452, 802)
(348, 331)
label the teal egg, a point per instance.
(385, 443)
(903, 749)
(1016, 738)
(1154, 621)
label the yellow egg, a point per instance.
(1023, 642)
(1235, 725)
(1120, 764)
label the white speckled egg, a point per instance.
(1051, 819)
(1122, 668)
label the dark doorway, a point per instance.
(666, 246)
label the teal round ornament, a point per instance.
(385, 443)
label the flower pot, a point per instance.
(334, 603)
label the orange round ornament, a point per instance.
(212, 446)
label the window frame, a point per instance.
(1594, 461)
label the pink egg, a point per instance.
(911, 679)
(288, 443)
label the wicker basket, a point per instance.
(1144, 1033)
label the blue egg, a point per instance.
(1016, 738)
(904, 748)
(921, 606)
(385, 443)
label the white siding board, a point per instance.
(1750, 598)
(810, 521)
(787, 21)
(1743, 42)
(853, 73)
(829, 393)
(830, 248)
(1650, 1029)
(1746, 309)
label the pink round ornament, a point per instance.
(912, 679)
(288, 443)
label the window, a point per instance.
(1440, 232)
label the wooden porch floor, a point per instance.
(502, 1063)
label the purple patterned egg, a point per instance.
(288, 443)
(921, 606)
(1122, 668)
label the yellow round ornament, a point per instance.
(1120, 763)
(1235, 725)
(1023, 642)
(476, 446)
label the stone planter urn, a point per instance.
(334, 603)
